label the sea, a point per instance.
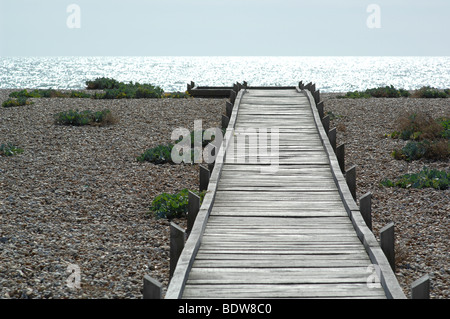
(172, 73)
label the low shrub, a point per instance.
(10, 149)
(160, 154)
(20, 101)
(87, 117)
(102, 83)
(430, 137)
(172, 205)
(426, 178)
(430, 93)
(386, 92)
(48, 93)
(177, 95)
(120, 90)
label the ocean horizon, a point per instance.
(331, 74)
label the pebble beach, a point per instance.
(77, 195)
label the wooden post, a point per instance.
(193, 208)
(229, 108)
(152, 288)
(233, 96)
(204, 178)
(245, 85)
(177, 239)
(189, 87)
(319, 107)
(211, 161)
(387, 241)
(420, 289)
(332, 138)
(239, 87)
(350, 178)
(317, 96)
(300, 85)
(340, 154)
(326, 123)
(365, 207)
(313, 88)
(225, 121)
(192, 84)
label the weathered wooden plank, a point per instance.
(339, 290)
(278, 275)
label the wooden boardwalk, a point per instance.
(280, 234)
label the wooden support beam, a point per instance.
(233, 96)
(350, 178)
(365, 207)
(204, 178)
(316, 95)
(229, 108)
(319, 107)
(387, 243)
(193, 208)
(177, 240)
(340, 154)
(152, 288)
(420, 289)
(192, 84)
(326, 123)
(225, 121)
(332, 137)
(312, 88)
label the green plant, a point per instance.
(120, 90)
(426, 178)
(160, 154)
(20, 101)
(411, 151)
(386, 92)
(102, 83)
(177, 95)
(87, 117)
(430, 93)
(445, 123)
(172, 205)
(10, 149)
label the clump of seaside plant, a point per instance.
(87, 117)
(48, 93)
(427, 137)
(114, 89)
(160, 154)
(10, 149)
(386, 92)
(431, 93)
(21, 101)
(172, 205)
(426, 178)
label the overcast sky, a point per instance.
(224, 28)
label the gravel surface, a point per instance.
(77, 195)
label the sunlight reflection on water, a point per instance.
(331, 74)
